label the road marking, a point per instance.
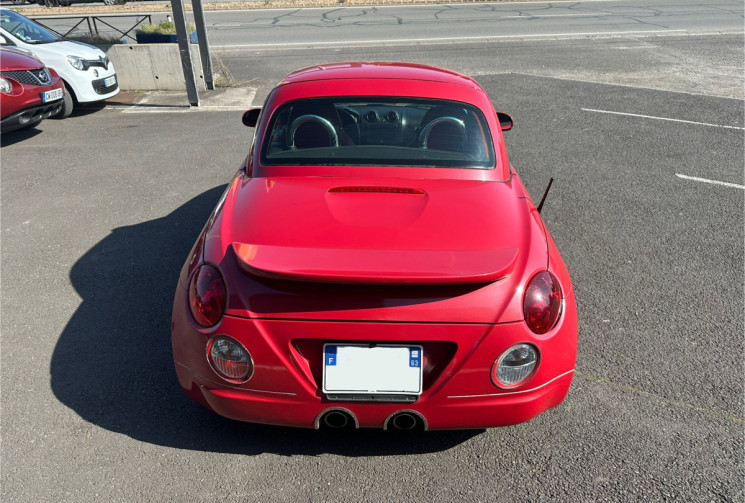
(713, 182)
(662, 118)
(448, 40)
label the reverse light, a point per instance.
(5, 86)
(542, 302)
(207, 296)
(515, 366)
(229, 359)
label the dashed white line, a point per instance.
(662, 118)
(713, 182)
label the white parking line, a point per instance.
(713, 182)
(662, 119)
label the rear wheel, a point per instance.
(19, 2)
(67, 105)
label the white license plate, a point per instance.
(109, 81)
(380, 369)
(52, 95)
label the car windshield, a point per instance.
(24, 29)
(378, 132)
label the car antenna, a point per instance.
(543, 199)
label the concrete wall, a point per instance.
(153, 67)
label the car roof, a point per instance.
(365, 70)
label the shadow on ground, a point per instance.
(112, 364)
(12, 137)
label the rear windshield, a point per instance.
(378, 132)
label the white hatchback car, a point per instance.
(86, 70)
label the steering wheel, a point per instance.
(324, 123)
(426, 130)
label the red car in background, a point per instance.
(29, 92)
(376, 262)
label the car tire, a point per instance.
(67, 105)
(19, 2)
(109, 2)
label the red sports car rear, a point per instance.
(376, 262)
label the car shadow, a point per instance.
(12, 137)
(112, 364)
(83, 109)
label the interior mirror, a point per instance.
(505, 121)
(251, 117)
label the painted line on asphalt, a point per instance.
(713, 182)
(447, 40)
(662, 118)
(677, 403)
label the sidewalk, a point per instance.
(231, 98)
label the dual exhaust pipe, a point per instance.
(342, 419)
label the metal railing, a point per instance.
(92, 23)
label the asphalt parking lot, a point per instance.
(100, 210)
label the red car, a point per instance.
(376, 262)
(29, 92)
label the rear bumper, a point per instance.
(286, 385)
(441, 412)
(30, 116)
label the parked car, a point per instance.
(67, 3)
(376, 262)
(86, 71)
(29, 92)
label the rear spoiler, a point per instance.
(415, 267)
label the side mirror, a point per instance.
(505, 121)
(4, 41)
(251, 117)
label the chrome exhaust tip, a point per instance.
(406, 421)
(336, 419)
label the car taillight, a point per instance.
(542, 302)
(207, 296)
(229, 359)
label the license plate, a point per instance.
(109, 81)
(53, 95)
(378, 369)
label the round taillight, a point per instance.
(229, 359)
(207, 296)
(515, 366)
(542, 302)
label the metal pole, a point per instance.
(204, 46)
(179, 19)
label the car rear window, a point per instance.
(378, 132)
